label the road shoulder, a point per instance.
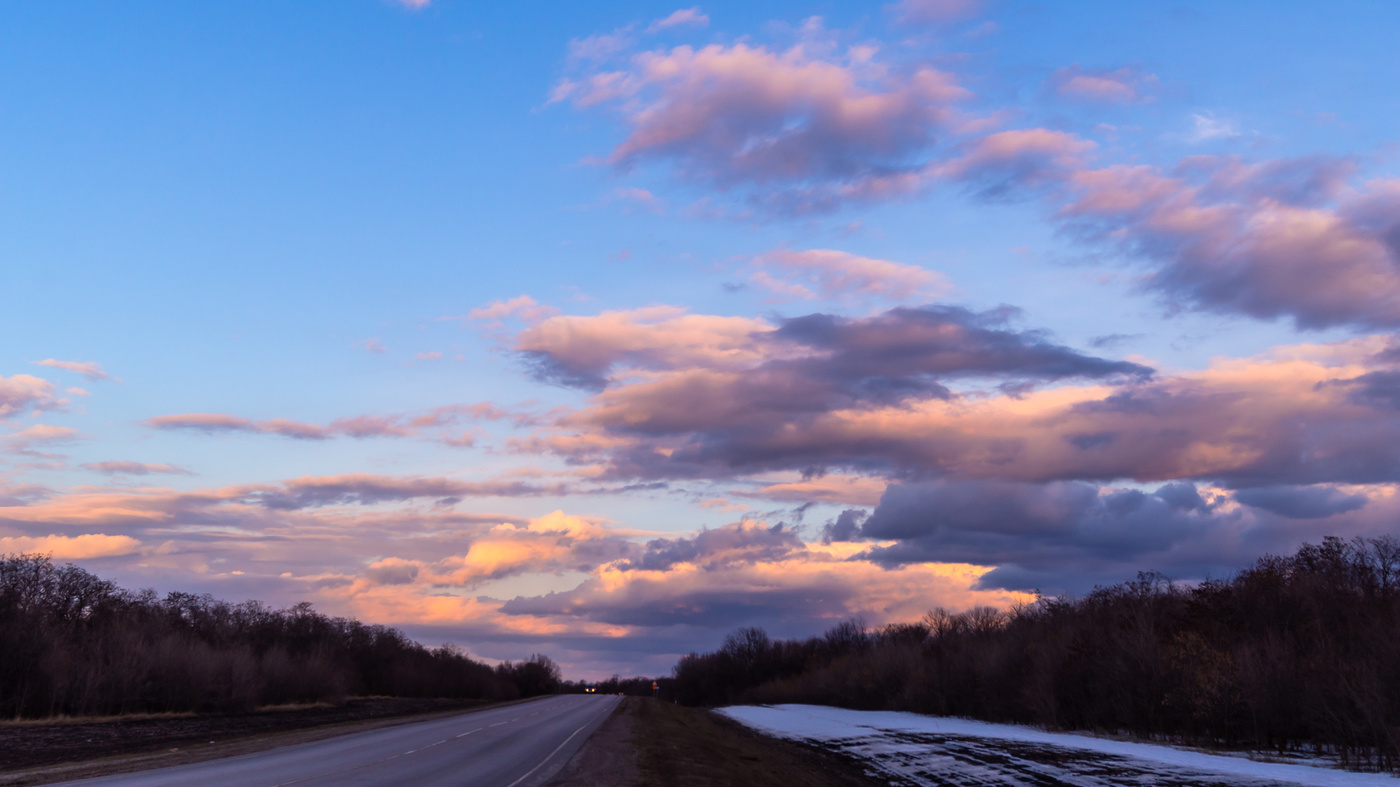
(649, 743)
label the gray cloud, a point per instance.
(1301, 502)
(732, 544)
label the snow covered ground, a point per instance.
(929, 750)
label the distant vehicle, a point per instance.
(590, 689)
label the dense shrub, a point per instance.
(74, 644)
(1295, 652)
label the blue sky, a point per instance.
(306, 213)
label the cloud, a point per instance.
(369, 489)
(1302, 502)
(135, 468)
(739, 543)
(685, 17)
(1282, 238)
(887, 395)
(369, 426)
(523, 308)
(372, 345)
(552, 543)
(747, 115)
(925, 12)
(22, 494)
(839, 275)
(92, 370)
(1119, 86)
(82, 547)
(581, 351)
(414, 5)
(429, 356)
(827, 488)
(22, 442)
(211, 423)
(810, 368)
(803, 589)
(845, 527)
(24, 392)
(1070, 535)
(639, 199)
(1016, 162)
(601, 46)
(1207, 127)
(360, 426)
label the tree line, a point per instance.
(1295, 653)
(74, 644)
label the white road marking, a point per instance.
(531, 772)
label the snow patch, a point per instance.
(934, 750)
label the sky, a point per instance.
(601, 330)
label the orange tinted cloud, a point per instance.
(70, 547)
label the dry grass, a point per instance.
(691, 747)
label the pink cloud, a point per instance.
(922, 12)
(22, 442)
(522, 307)
(744, 114)
(211, 423)
(369, 426)
(1018, 159)
(24, 392)
(685, 17)
(360, 426)
(838, 275)
(583, 349)
(831, 488)
(372, 345)
(680, 399)
(1119, 86)
(642, 199)
(1282, 239)
(429, 356)
(463, 440)
(135, 468)
(815, 392)
(89, 369)
(368, 489)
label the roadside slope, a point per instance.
(649, 743)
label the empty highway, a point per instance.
(514, 746)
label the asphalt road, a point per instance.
(514, 746)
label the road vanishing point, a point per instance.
(520, 745)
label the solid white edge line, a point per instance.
(531, 772)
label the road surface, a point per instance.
(514, 746)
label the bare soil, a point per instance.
(55, 750)
(649, 743)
